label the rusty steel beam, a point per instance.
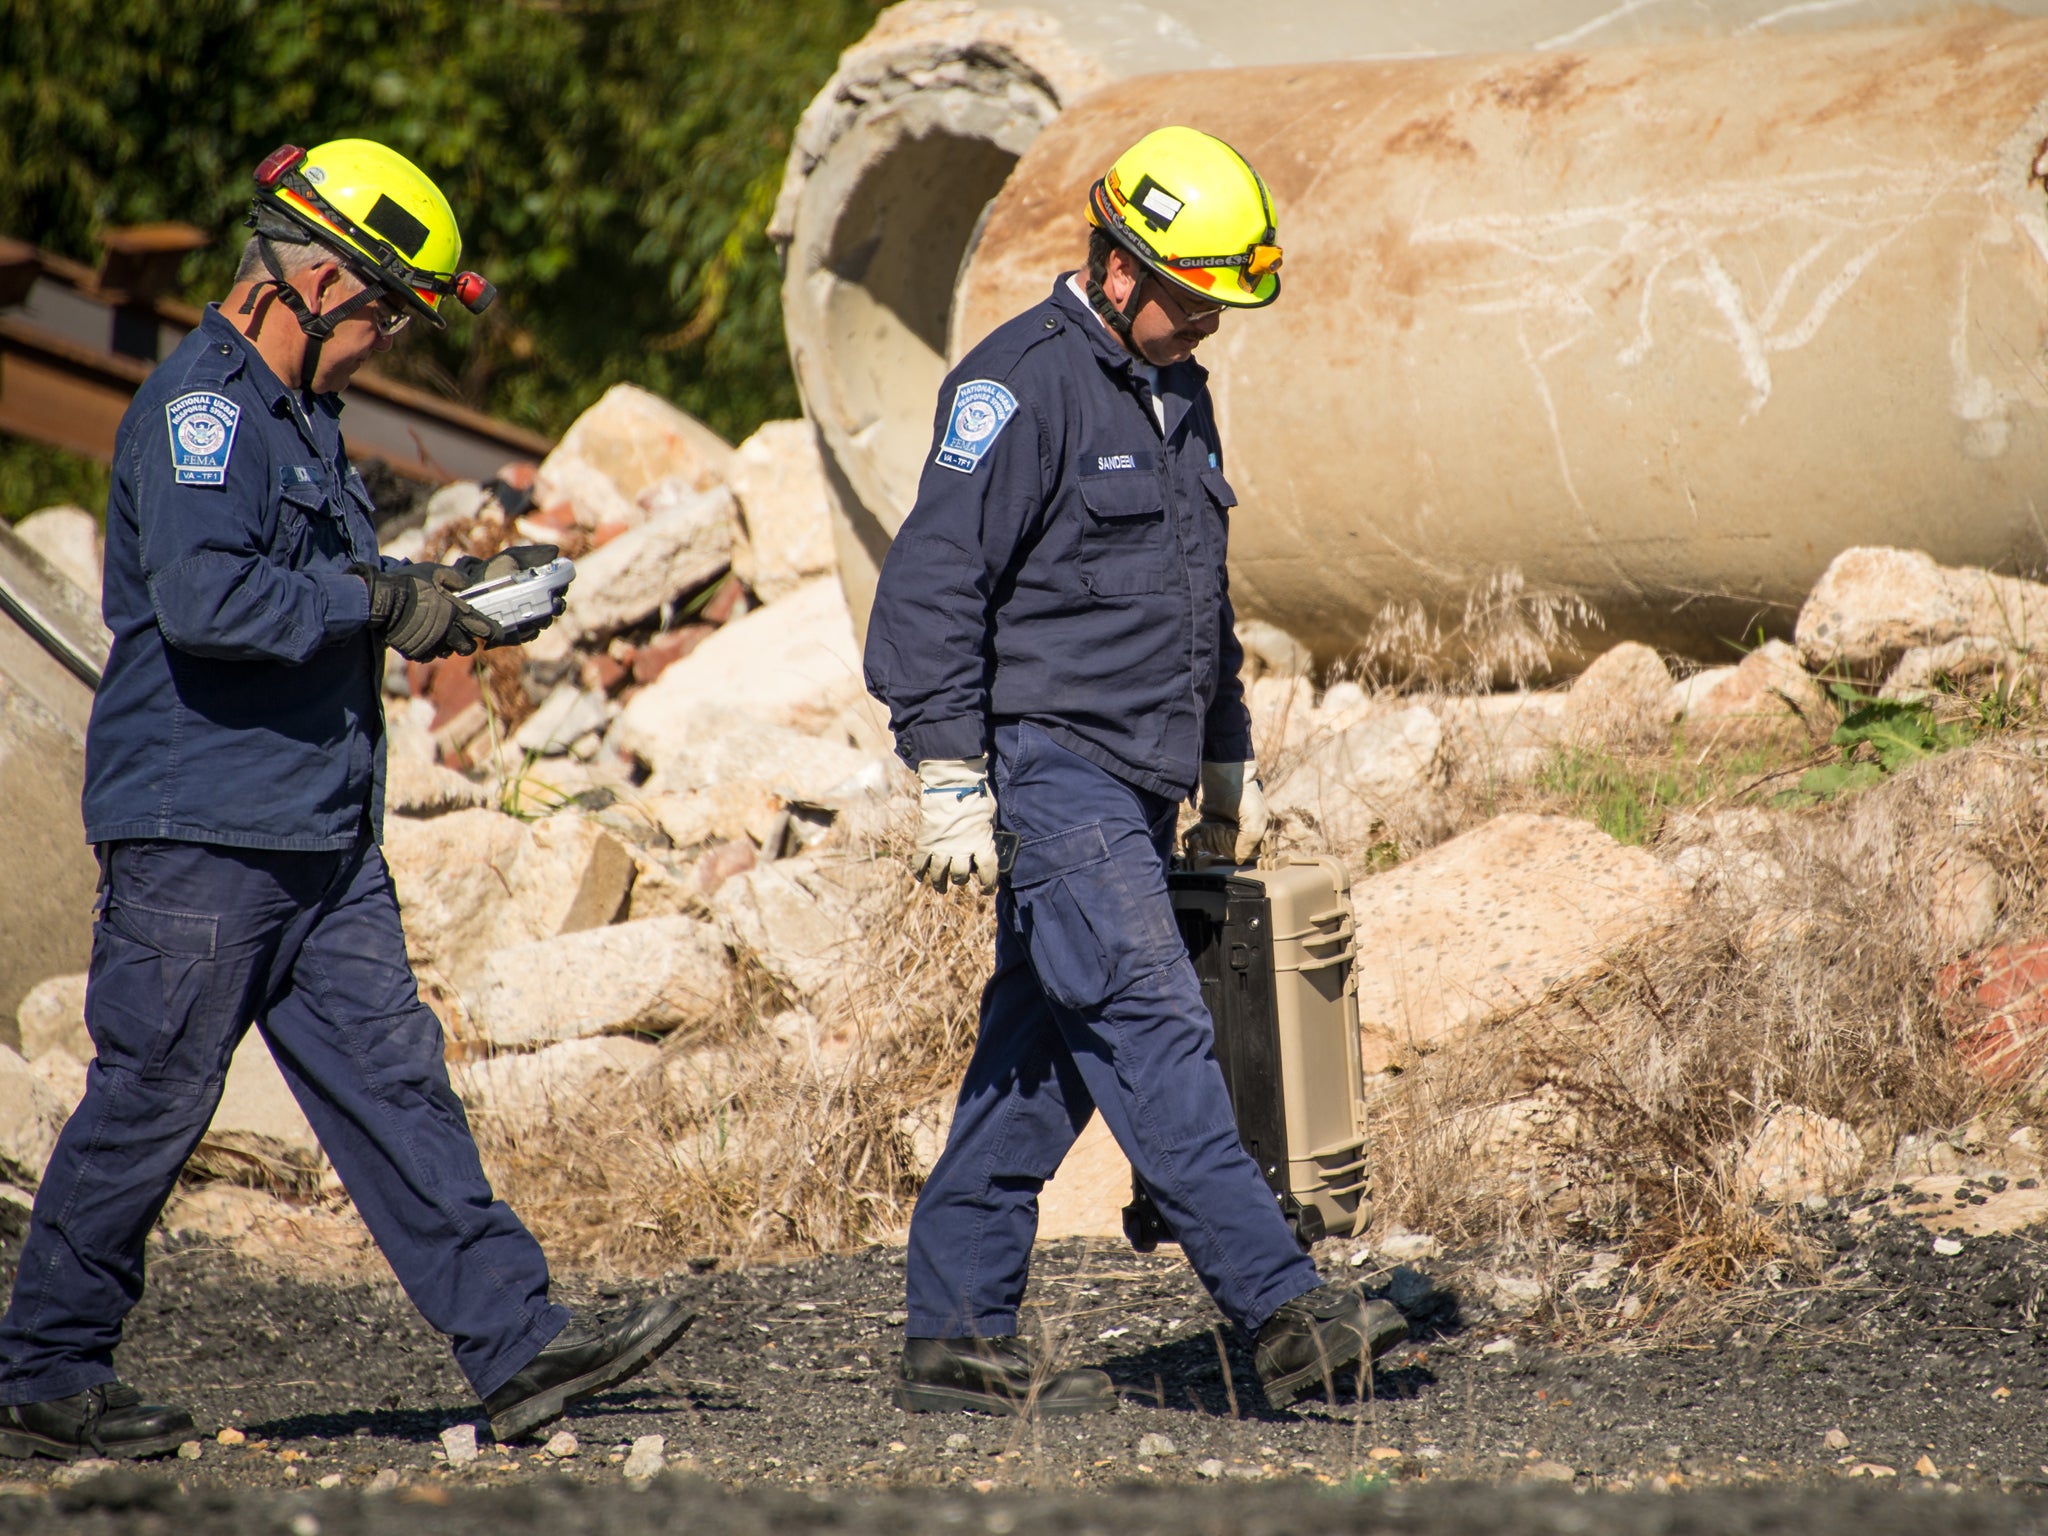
(72, 353)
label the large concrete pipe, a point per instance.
(1665, 327)
(51, 651)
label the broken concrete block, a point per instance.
(1500, 738)
(1872, 605)
(680, 549)
(648, 977)
(530, 1088)
(30, 1118)
(257, 1111)
(416, 788)
(564, 716)
(52, 1018)
(783, 516)
(69, 538)
(1621, 699)
(1769, 696)
(634, 439)
(732, 748)
(790, 663)
(1795, 1152)
(1492, 920)
(569, 482)
(797, 918)
(1369, 777)
(475, 881)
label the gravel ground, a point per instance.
(1925, 1366)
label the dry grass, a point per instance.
(749, 1144)
(1613, 1114)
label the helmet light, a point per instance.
(475, 292)
(278, 164)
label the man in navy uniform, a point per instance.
(234, 792)
(1052, 634)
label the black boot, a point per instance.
(111, 1420)
(993, 1376)
(581, 1362)
(1311, 1339)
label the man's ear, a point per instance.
(320, 280)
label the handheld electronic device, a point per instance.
(524, 598)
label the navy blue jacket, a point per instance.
(1064, 562)
(241, 703)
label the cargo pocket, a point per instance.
(1088, 935)
(153, 986)
(1125, 544)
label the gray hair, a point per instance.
(292, 256)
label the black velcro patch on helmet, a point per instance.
(404, 231)
(1156, 206)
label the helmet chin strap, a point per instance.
(1118, 320)
(317, 327)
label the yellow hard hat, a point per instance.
(1194, 211)
(377, 210)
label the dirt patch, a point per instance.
(774, 1410)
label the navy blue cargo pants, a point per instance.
(193, 942)
(1093, 1005)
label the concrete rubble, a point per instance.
(612, 843)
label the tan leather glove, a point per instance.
(1234, 814)
(956, 834)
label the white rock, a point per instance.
(561, 1445)
(476, 881)
(565, 714)
(1623, 697)
(1794, 1153)
(1269, 651)
(52, 1018)
(567, 479)
(721, 813)
(1282, 711)
(784, 518)
(790, 663)
(680, 548)
(647, 977)
(1964, 893)
(1087, 1196)
(535, 1087)
(1769, 695)
(459, 501)
(1375, 775)
(732, 747)
(1156, 1447)
(1875, 604)
(69, 538)
(458, 1441)
(635, 439)
(1967, 660)
(63, 1074)
(1407, 1247)
(1516, 1294)
(797, 917)
(416, 788)
(30, 1118)
(1492, 920)
(645, 1460)
(256, 1109)
(1694, 686)
(1948, 1247)
(1501, 738)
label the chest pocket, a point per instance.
(310, 516)
(1219, 490)
(1126, 545)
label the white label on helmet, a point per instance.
(314, 174)
(981, 409)
(1162, 205)
(202, 436)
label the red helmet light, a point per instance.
(278, 164)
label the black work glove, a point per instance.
(418, 617)
(520, 557)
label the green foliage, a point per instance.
(33, 477)
(613, 163)
(1628, 800)
(1894, 732)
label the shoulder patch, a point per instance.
(981, 409)
(202, 427)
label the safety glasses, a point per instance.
(387, 317)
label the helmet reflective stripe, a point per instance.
(1195, 213)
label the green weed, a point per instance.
(1881, 736)
(1629, 798)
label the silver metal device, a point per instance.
(524, 598)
